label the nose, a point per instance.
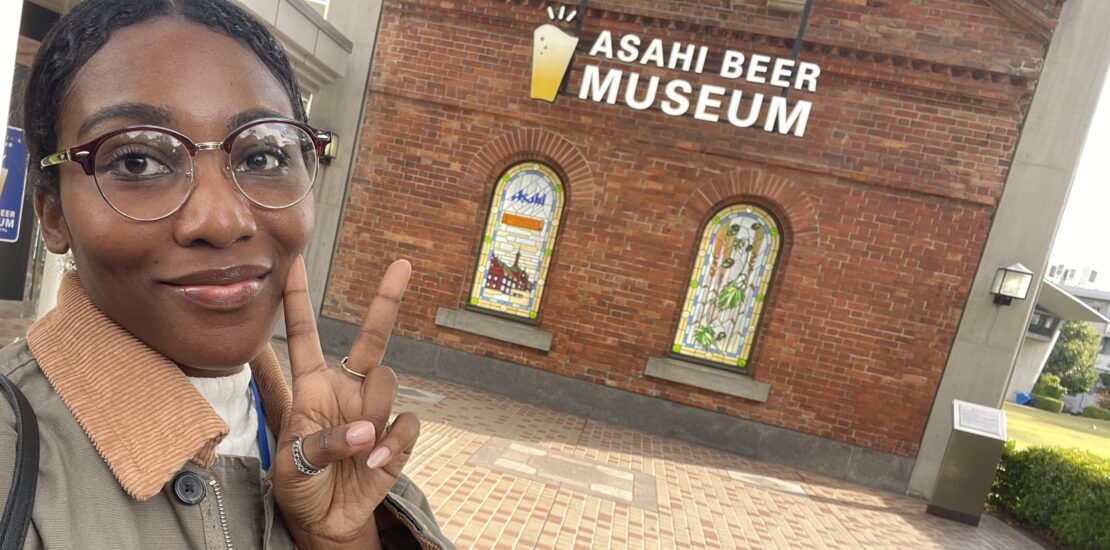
(216, 213)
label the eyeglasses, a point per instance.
(146, 173)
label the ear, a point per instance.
(55, 231)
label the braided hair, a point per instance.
(84, 30)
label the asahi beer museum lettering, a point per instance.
(655, 214)
(679, 97)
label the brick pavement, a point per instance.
(502, 474)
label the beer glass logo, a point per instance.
(552, 50)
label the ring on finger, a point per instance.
(343, 364)
(302, 463)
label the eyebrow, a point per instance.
(252, 115)
(141, 112)
(148, 114)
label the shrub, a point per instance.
(1096, 412)
(1048, 385)
(1063, 490)
(1047, 403)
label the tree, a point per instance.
(1074, 356)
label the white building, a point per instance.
(1065, 276)
(1054, 306)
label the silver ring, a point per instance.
(343, 364)
(301, 462)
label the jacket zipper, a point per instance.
(223, 514)
(397, 510)
(407, 521)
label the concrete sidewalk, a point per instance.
(502, 474)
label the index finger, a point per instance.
(305, 355)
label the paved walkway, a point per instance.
(503, 474)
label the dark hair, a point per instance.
(83, 31)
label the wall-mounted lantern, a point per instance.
(1011, 283)
(331, 150)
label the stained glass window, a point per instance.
(733, 270)
(518, 242)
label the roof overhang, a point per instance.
(316, 49)
(1065, 306)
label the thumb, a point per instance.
(337, 443)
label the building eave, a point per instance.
(317, 50)
(1064, 305)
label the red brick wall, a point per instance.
(886, 201)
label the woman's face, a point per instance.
(203, 285)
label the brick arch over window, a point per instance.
(736, 261)
(529, 175)
(519, 240)
(534, 144)
(796, 211)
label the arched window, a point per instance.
(519, 240)
(733, 270)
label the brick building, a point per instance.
(782, 293)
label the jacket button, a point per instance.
(189, 488)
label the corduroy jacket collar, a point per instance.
(137, 407)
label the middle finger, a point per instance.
(373, 336)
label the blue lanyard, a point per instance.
(263, 441)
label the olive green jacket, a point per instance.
(128, 460)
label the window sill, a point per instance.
(1038, 336)
(793, 6)
(493, 327)
(700, 376)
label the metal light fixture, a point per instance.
(331, 150)
(1011, 283)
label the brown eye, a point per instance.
(259, 162)
(134, 165)
(262, 162)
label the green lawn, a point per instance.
(1029, 427)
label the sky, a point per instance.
(1083, 239)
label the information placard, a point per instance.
(13, 184)
(978, 419)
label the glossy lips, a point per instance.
(221, 289)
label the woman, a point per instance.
(175, 162)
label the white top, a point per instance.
(233, 400)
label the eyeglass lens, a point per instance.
(149, 174)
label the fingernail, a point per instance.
(360, 433)
(378, 458)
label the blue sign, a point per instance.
(13, 184)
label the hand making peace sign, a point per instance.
(343, 419)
